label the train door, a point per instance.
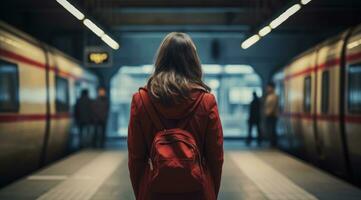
(329, 139)
(308, 108)
(59, 97)
(352, 107)
(299, 82)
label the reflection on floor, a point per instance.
(248, 173)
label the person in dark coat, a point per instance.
(177, 92)
(82, 114)
(254, 119)
(100, 114)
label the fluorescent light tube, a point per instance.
(109, 41)
(93, 27)
(264, 31)
(284, 16)
(250, 41)
(74, 11)
(304, 2)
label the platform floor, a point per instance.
(248, 173)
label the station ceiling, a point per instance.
(115, 14)
(48, 21)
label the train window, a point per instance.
(62, 95)
(307, 94)
(325, 92)
(354, 88)
(9, 87)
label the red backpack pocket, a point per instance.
(175, 163)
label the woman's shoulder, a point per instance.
(208, 101)
(136, 95)
(136, 100)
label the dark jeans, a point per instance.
(84, 131)
(271, 122)
(99, 134)
(251, 124)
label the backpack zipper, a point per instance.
(199, 159)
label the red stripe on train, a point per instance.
(30, 117)
(23, 59)
(333, 118)
(328, 64)
(20, 58)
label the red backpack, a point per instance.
(175, 162)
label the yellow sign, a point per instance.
(98, 57)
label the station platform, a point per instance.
(248, 173)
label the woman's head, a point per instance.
(177, 69)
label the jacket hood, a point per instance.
(181, 110)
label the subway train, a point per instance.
(320, 105)
(38, 88)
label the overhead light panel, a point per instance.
(93, 27)
(264, 31)
(88, 23)
(304, 2)
(284, 16)
(250, 41)
(238, 69)
(109, 41)
(211, 69)
(69, 7)
(274, 24)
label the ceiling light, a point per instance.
(264, 31)
(109, 41)
(211, 69)
(250, 41)
(238, 69)
(93, 27)
(304, 2)
(284, 16)
(74, 11)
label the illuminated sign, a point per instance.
(97, 57)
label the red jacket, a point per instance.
(205, 123)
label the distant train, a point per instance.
(320, 102)
(38, 87)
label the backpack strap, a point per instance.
(153, 115)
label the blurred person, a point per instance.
(271, 113)
(177, 110)
(254, 119)
(82, 115)
(100, 114)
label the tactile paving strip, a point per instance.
(85, 182)
(272, 183)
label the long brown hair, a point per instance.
(177, 70)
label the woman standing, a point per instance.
(175, 138)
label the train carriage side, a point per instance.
(65, 81)
(328, 129)
(38, 87)
(22, 104)
(284, 138)
(352, 99)
(315, 102)
(299, 81)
